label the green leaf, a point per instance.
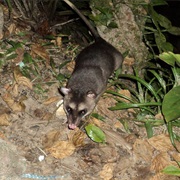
(125, 125)
(27, 58)
(120, 95)
(171, 134)
(177, 58)
(106, 11)
(158, 2)
(123, 105)
(11, 56)
(166, 46)
(9, 5)
(94, 18)
(60, 77)
(15, 44)
(22, 33)
(1, 55)
(149, 129)
(143, 82)
(112, 25)
(164, 22)
(151, 29)
(171, 104)
(167, 58)
(63, 64)
(97, 116)
(160, 79)
(161, 42)
(174, 30)
(172, 170)
(95, 133)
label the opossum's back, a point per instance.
(87, 78)
(100, 54)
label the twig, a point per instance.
(61, 24)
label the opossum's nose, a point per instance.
(72, 126)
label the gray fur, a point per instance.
(93, 66)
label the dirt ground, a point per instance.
(35, 142)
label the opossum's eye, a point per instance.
(82, 112)
(69, 110)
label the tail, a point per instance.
(89, 25)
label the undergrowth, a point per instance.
(157, 91)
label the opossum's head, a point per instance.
(77, 105)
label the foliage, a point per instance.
(95, 133)
(105, 17)
(156, 28)
(33, 64)
(157, 92)
(172, 170)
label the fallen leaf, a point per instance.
(60, 112)
(14, 106)
(125, 92)
(161, 161)
(77, 137)
(2, 135)
(47, 116)
(15, 91)
(61, 149)
(128, 61)
(159, 116)
(59, 41)
(4, 120)
(4, 109)
(161, 143)
(176, 156)
(11, 28)
(20, 79)
(127, 65)
(37, 50)
(24, 81)
(118, 125)
(7, 87)
(103, 108)
(107, 172)
(20, 55)
(51, 138)
(70, 66)
(43, 27)
(51, 100)
(143, 150)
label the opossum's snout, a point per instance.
(74, 116)
(77, 106)
(72, 126)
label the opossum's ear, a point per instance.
(91, 94)
(65, 91)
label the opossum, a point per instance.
(93, 67)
